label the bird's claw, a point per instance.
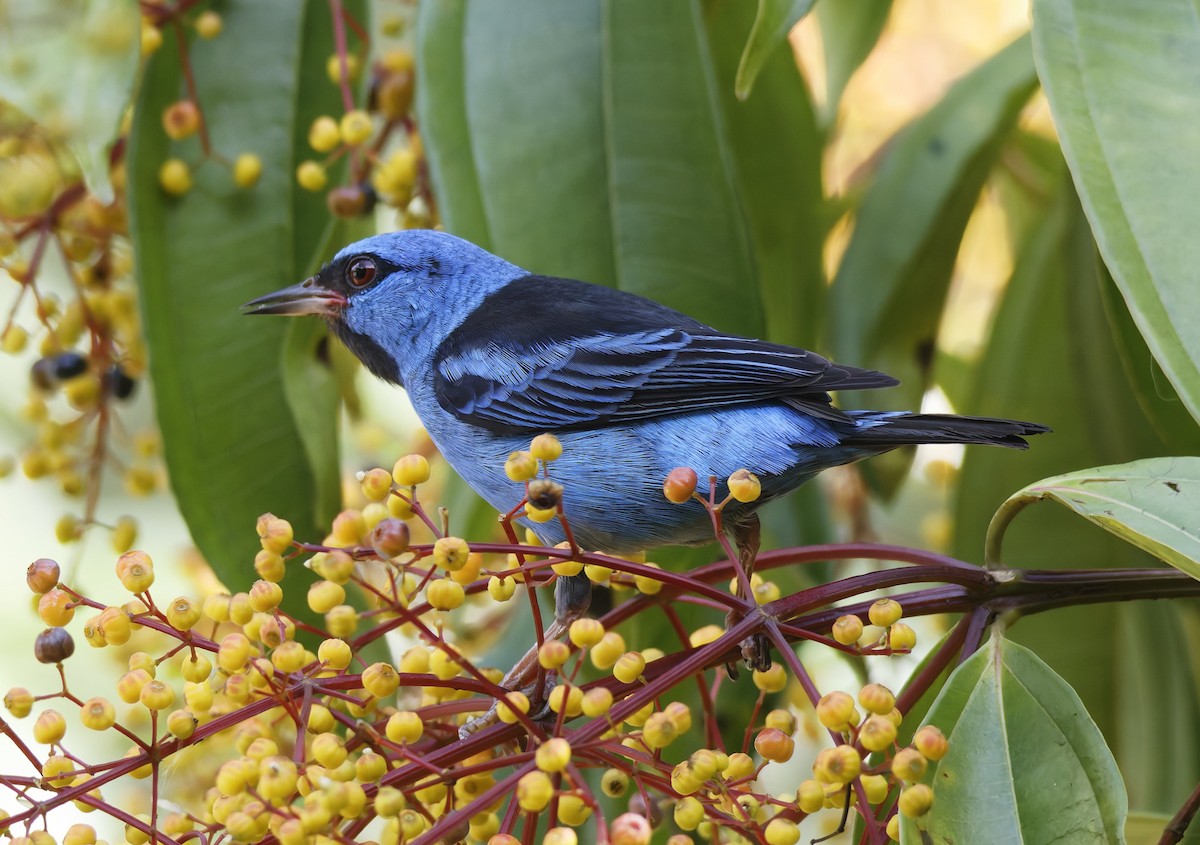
(539, 700)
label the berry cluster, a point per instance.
(75, 317)
(310, 734)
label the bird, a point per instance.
(492, 355)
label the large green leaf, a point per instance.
(849, 30)
(596, 147)
(71, 68)
(1151, 503)
(1124, 90)
(892, 283)
(773, 22)
(1157, 698)
(233, 447)
(1026, 763)
(1051, 359)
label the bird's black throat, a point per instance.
(375, 357)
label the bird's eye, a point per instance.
(361, 272)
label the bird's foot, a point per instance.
(539, 707)
(756, 650)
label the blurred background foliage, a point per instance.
(882, 182)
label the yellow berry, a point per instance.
(335, 653)
(124, 533)
(553, 755)
(908, 764)
(740, 766)
(901, 637)
(782, 832)
(629, 667)
(380, 679)
(355, 127)
(135, 570)
(56, 607)
(450, 553)
(404, 726)
(333, 68)
(323, 135)
(836, 711)
(931, 742)
(885, 612)
(893, 828)
(181, 724)
(520, 466)
(596, 702)
(502, 589)
(847, 630)
(534, 791)
(545, 447)
(810, 796)
(876, 698)
(877, 733)
(324, 596)
(770, 680)
(553, 654)
(311, 176)
(209, 24)
(744, 486)
(445, 594)
(566, 699)
(508, 707)
(689, 812)
(49, 728)
(98, 714)
(876, 787)
(175, 177)
(915, 800)
(614, 783)
(837, 765)
(605, 653)
(18, 701)
(411, 470)
(181, 120)
(247, 169)
(586, 632)
(156, 695)
(13, 339)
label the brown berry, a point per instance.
(53, 645)
(42, 575)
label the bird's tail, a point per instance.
(876, 429)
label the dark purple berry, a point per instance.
(120, 382)
(53, 645)
(68, 365)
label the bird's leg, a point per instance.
(747, 535)
(572, 597)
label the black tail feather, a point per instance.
(909, 429)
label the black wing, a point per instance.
(546, 354)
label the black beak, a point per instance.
(306, 298)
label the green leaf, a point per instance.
(72, 69)
(849, 31)
(233, 447)
(1049, 359)
(777, 149)
(1126, 114)
(1150, 503)
(773, 22)
(1026, 763)
(1156, 699)
(890, 288)
(596, 146)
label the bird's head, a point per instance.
(394, 296)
